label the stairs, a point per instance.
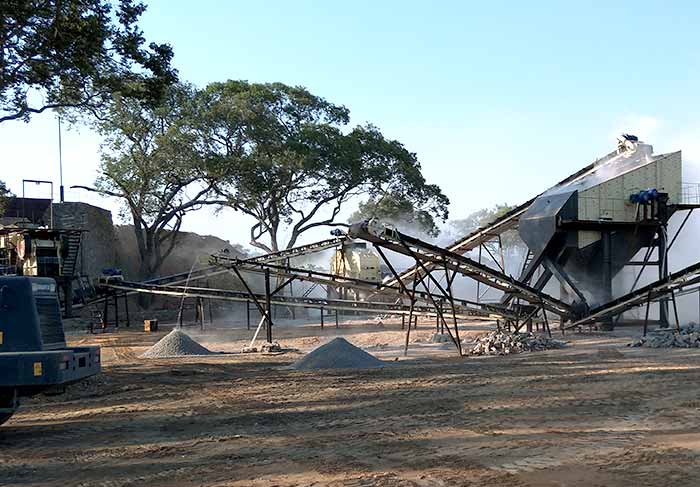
(526, 262)
(6, 266)
(72, 254)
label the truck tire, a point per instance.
(7, 400)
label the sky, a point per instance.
(500, 100)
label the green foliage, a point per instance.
(75, 54)
(510, 239)
(481, 218)
(400, 212)
(4, 195)
(151, 161)
(281, 157)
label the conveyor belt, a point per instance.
(651, 292)
(479, 236)
(216, 270)
(505, 222)
(289, 253)
(464, 307)
(302, 302)
(427, 253)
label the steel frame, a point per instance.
(426, 253)
(678, 281)
(297, 301)
(333, 280)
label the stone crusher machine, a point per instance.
(585, 231)
(34, 357)
(354, 260)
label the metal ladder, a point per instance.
(526, 262)
(70, 262)
(5, 263)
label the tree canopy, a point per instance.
(4, 195)
(150, 160)
(75, 54)
(274, 152)
(281, 156)
(400, 212)
(509, 239)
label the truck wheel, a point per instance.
(7, 400)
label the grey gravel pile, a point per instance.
(687, 337)
(338, 354)
(505, 343)
(175, 344)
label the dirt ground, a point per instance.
(596, 414)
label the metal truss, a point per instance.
(275, 298)
(465, 307)
(425, 253)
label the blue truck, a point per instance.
(34, 357)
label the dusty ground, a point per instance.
(595, 414)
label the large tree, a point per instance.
(150, 160)
(74, 54)
(284, 158)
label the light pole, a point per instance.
(60, 164)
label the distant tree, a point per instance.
(69, 54)
(400, 212)
(510, 239)
(151, 161)
(4, 195)
(284, 160)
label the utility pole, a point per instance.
(60, 164)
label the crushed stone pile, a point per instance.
(687, 337)
(176, 344)
(505, 343)
(338, 354)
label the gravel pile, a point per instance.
(338, 354)
(175, 344)
(504, 343)
(687, 337)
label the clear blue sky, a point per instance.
(499, 99)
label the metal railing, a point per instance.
(690, 193)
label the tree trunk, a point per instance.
(148, 265)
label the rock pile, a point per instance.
(265, 347)
(505, 343)
(175, 344)
(268, 347)
(687, 337)
(338, 354)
